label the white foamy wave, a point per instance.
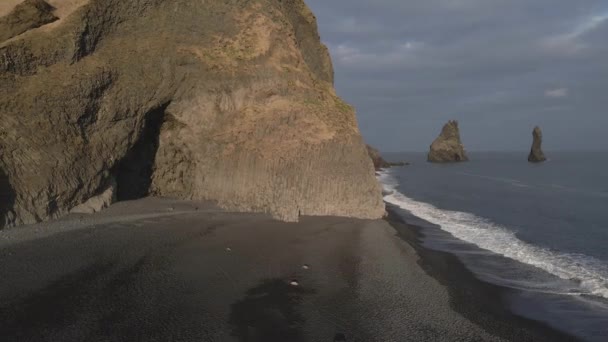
(591, 274)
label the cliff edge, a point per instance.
(536, 153)
(448, 147)
(225, 101)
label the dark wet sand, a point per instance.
(161, 270)
(482, 303)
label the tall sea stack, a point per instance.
(536, 153)
(229, 101)
(448, 147)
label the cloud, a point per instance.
(355, 26)
(572, 41)
(558, 92)
(589, 24)
(409, 65)
(397, 54)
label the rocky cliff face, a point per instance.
(536, 153)
(230, 101)
(25, 16)
(448, 147)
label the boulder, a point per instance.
(536, 153)
(99, 202)
(229, 101)
(448, 146)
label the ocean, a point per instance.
(538, 229)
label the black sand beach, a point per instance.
(161, 270)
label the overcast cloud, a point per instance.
(498, 66)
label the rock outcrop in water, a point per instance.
(536, 153)
(230, 101)
(448, 146)
(378, 160)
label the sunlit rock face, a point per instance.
(448, 147)
(224, 101)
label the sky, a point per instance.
(499, 67)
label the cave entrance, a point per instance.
(7, 198)
(134, 172)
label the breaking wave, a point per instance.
(589, 273)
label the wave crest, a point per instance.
(591, 274)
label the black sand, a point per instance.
(159, 270)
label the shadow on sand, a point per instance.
(269, 312)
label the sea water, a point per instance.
(541, 229)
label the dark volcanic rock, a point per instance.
(448, 147)
(536, 153)
(379, 162)
(25, 16)
(230, 101)
(7, 200)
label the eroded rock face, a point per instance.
(448, 146)
(25, 16)
(225, 101)
(536, 153)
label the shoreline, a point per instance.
(480, 302)
(130, 271)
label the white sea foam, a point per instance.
(591, 274)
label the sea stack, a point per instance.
(448, 148)
(226, 101)
(536, 153)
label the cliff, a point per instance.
(536, 153)
(225, 101)
(448, 146)
(25, 16)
